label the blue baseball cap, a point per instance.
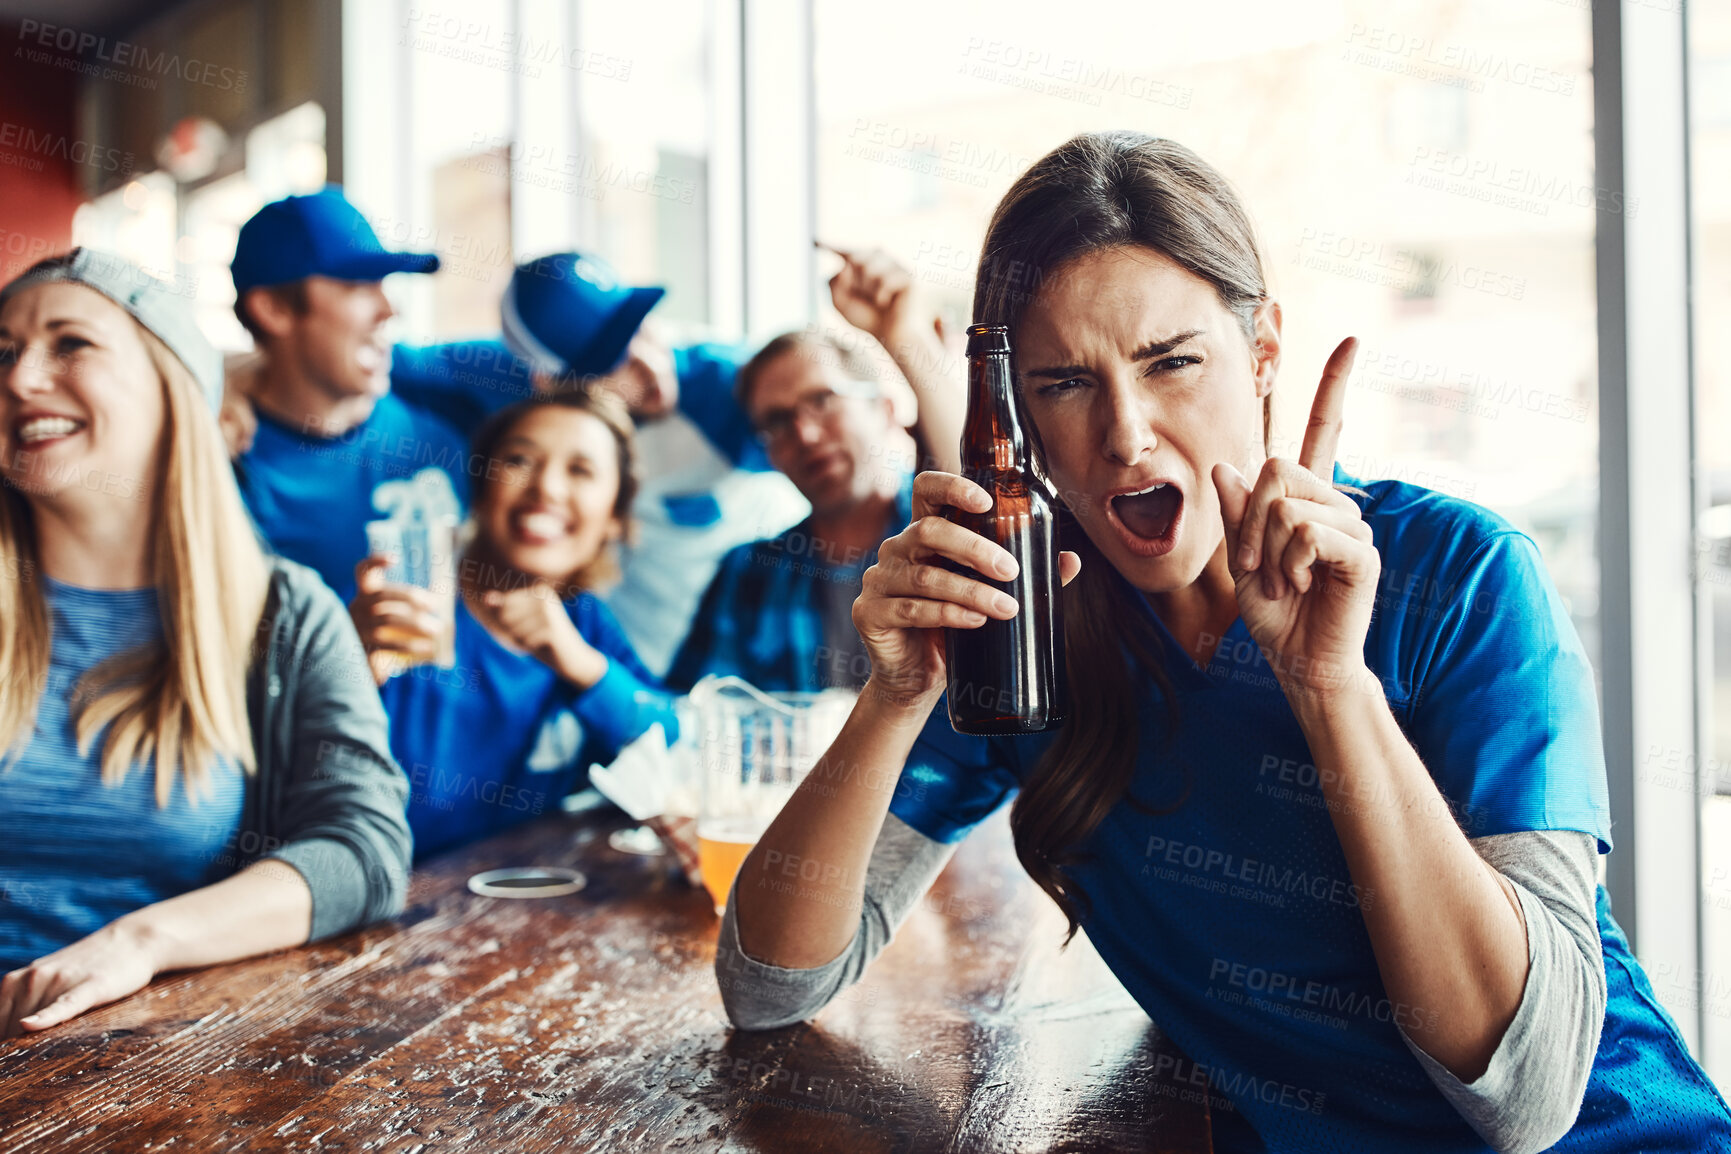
(320, 234)
(568, 313)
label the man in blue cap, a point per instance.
(330, 448)
(565, 318)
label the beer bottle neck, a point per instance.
(992, 437)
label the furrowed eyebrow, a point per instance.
(1147, 352)
(1160, 348)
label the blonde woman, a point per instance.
(195, 761)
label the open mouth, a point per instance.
(37, 432)
(372, 359)
(1148, 519)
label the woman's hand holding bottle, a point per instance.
(910, 596)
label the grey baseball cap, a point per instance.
(152, 304)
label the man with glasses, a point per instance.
(779, 612)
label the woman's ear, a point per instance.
(1265, 345)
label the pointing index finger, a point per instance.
(1327, 412)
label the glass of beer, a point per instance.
(423, 553)
(754, 749)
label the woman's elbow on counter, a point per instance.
(754, 1004)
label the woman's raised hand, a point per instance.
(1300, 552)
(909, 597)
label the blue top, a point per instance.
(1231, 863)
(465, 382)
(500, 738)
(76, 854)
(313, 496)
(762, 617)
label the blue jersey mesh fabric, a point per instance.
(1222, 898)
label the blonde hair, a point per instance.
(182, 699)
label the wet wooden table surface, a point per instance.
(593, 1022)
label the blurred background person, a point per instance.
(193, 772)
(704, 484)
(544, 681)
(327, 447)
(779, 612)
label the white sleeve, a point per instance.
(1529, 1095)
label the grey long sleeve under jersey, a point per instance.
(1524, 1101)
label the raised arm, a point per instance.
(876, 294)
(1446, 927)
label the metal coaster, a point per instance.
(528, 882)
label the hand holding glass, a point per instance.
(422, 556)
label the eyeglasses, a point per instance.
(777, 425)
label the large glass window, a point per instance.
(539, 127)
(1421, 176)
(186, 233)
(644, 99)
(462, 63)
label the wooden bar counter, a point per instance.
(593, 1022)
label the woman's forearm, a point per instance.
(798, 894)
(265, 907)
(1446, 929)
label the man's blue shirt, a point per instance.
(313, 496)
(1224, 861)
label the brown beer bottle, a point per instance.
(1007, 676)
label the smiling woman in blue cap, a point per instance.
(194, 764)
